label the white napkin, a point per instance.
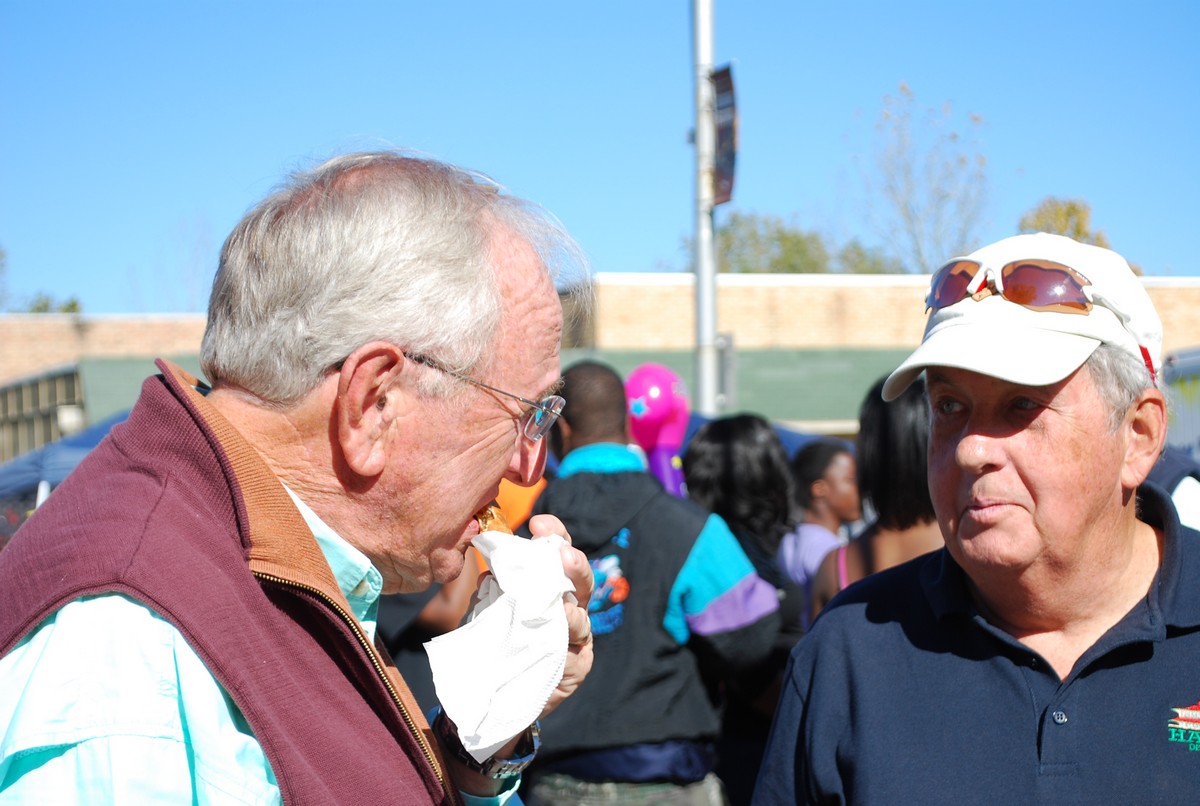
(494, 674)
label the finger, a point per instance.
(546, 525)
(578, 664)
(579, 571)
(579, 627)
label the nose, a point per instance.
(978, 451)
(528, 461)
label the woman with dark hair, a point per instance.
(736, 467)
(892, 481)
(826, 493)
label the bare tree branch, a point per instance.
(933, 181)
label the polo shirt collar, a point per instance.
(1174, 592)
(945, 586)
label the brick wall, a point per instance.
(33, 343)
(657, 311)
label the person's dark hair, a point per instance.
(892, 459)
(809, 466)
(737, 468)
(595, 408)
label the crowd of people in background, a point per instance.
(679, 610)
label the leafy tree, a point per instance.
(932, 179)
(754, 243)
(854, 258)
(1070, 217)
(41, 303)
(44, 303)
(766, 244)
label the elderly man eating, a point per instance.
(191, 617)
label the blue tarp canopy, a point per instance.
(51, 463)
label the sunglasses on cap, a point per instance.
(1040, 285)
(1036, 284)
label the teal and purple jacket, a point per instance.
(677, 609)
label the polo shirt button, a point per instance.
(1060, 718)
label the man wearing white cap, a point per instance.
(1049, 652)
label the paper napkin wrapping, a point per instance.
(495, 674)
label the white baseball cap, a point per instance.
(1009, 341)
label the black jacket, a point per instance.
(677, 606)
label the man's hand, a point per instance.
(579, 626)
(579, 651)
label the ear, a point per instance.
(368, 402)
(1146, 431)
(819, 489)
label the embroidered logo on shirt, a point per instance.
(1185, 727)
(606, 608)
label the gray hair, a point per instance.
(1120, 379)
(371, 246)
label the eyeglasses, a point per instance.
(1040, 285)
(535, 423)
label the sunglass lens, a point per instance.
(950, 284)
(1043, 287)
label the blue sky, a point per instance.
(135, 134)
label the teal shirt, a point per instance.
(603, 457)
(105, 702)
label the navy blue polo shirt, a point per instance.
(903, 693)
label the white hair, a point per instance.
(1120, 378)
(371, 246)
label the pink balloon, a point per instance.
(658, 420)
(658, 407)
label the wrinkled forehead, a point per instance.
(531, 324)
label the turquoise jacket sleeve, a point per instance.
(717, 590)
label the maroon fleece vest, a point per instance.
(175, 509)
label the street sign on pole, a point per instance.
(727, 126)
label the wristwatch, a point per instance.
(447, 736)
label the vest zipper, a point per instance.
(362, 639)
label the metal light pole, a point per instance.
(705, 140)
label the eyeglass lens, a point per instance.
(541, 419)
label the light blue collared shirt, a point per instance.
(105, 702)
